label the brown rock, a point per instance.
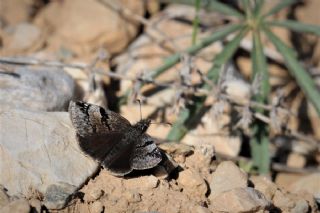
(226, 177)
(239, 200)
(289, 202)
(285, 180)
(192, 182)
(310, 183)
(15, 11)
(4, 198)
(296, 160)
(93, 194)
(35, 204)
(20, 205)
(83, 26)
(206, 133)
(282, 201)
(142, 183)
(96, 207)
(264, 185)
(24, 37)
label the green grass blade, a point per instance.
(259, 142)
(196, 21)
(258, 7)
(189, 115)
(282, 4)
(296, 26)
(174, 59)
(247, 8)
(211, 5)
(303, 79)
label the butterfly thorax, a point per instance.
(142, 125)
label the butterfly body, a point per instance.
(110, 138)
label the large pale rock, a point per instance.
(39, 153)
(22, 38)
(310, 183)
(20, 205)
(193, 183)
(226, 177)
(240, 200)
(85, 25)
(45, 89)
(264, 185)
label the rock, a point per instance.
(310, 183)
(226, 177)
(39, 152)
(201, 209)
(193, 183)
(4, 198)
(201, 158)
(24, 37)
(20, 205)
(15, 11)
(301, 206)
(289, 202)
(264, 185)
(35, 204)
(96, 207)
(282, 201)
(207, 133)
(285, 180)
(77, 25)
(296, 160)
(239, 200)
(132, 196)
(142, 183)
(45, 89)
(176, 148)
(93, 194)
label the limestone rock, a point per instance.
(226, 177)
(39, 152)
(96, 207)
(83, 26)
(142, 183)
(45, 89)
(310, 183)
(4, 198)
(192, 182)
(23, 37)
(20, 205)
(239, 200)
(264, 185)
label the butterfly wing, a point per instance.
(98, 146)
(146, 154)
(89, 119)
(98, 130)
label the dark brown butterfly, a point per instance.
(110, 138)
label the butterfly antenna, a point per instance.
(166, 123)
(138, 100)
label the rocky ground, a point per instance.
(57, 51)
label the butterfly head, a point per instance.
(143, 125)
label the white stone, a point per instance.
(226, 177)
(39, 152)
(239, 200)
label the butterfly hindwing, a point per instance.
(146, 153)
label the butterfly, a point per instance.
(109, 138)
